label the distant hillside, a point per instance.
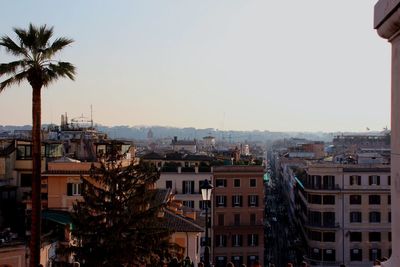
(140, 132)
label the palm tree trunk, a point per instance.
(34, 245)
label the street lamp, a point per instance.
(206, 195)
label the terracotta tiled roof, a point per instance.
(179, 223)
(65, 172)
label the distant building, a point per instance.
(184, 145)
(238, 212)
(344, 212)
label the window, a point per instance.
(237, 201)
(328, 236)
(374, 180)
(253, 200)
(374, 217)
(315, 253)
(315, 218)
(315, 235)
(390, 236)
(374, 199)
(355, 254)
(221, 261)
(188, 203)
(236, 219)
(73, 189)
(329, 219)
(329, 182)
(389, 217)
(374, 236)
(237, 240)
(251, 259)
(168, 184)
(252, 218)
(220, 182)
(26, 179)
(355, 180)
(389, 199)
(329, 255)
(374, 254)
(187, 187)
(221, 201)
(237, 260)
(389, 180)
(24, 152)
(329, 200)
(236, 182)
(316, 181)
(355, 199)
(220, 240)
(355, 217)
(355, 236)
(221, 219)
(203, 203)
(253, 182)
(252, 240)
(315, 199)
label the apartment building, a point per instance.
(344, 212)
(186, 185)
(237, 217)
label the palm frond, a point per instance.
(12, 47)
(43, 35)
(56, 46)
(12, 67)
(61, 69)
(16, 79)
(25, 40)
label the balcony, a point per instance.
(322, 225)
(331, 187)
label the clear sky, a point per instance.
(278, 65)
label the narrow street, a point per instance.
(281, 235)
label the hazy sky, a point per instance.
(278, 65)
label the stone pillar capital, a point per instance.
(387, 18)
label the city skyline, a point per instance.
(240, 65)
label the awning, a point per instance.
(61, 217)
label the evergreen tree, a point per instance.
(118, 221)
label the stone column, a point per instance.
(387, 23)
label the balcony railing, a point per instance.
(322, 225)
(322, 186)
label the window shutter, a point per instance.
(233, 201)
(378, 180)
(241, 201)
(351, 180)
(192, 187)
(69, 189)
(359, 180)
(370, 180)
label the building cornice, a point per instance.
(387, 18)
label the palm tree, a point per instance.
(35, 64)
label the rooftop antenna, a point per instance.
(91, 116)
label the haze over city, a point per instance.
(240, 65)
